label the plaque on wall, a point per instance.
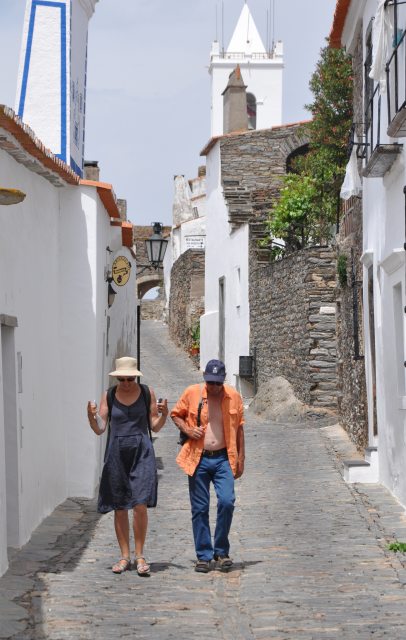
(121, 270)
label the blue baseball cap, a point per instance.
(215, 371)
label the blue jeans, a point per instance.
(218, 471)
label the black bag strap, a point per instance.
(111, 394)
(146, 394)
(182, 436)
(199, 409)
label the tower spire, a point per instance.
(246, 38)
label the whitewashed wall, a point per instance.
(383, 239)
(52, 279)
(29, 290)
(226, 256)
(264, 81)
(187, 231)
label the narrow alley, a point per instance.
(310, 551)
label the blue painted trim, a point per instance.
(64, 97)
(27, 61)
(76, 168)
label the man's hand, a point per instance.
(240, 469)
(194, 432)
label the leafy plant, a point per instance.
(397, 546)
(309, 197)
(195, 335)
(342, 269)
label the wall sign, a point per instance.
(121, 270)
(195, 242)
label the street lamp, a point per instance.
(11, 196)
(156, 248)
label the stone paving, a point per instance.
(311, 558)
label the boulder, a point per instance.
(276, 401)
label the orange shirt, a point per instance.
(233, 419)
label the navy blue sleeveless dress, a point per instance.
(129, 475)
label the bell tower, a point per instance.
(261, 70)
(51, 88)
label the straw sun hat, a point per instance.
(125, 367)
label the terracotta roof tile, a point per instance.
(21, 142)
(107, 196)
(127, 232)
(340, 16)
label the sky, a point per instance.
(148, 100)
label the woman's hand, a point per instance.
(91, 410)
(97, 422)
(162, 406)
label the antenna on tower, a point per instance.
(273, 25)
(267, 31)
(222, 25)
(216, 23)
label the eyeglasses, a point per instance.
(126, 379)
(217, 384)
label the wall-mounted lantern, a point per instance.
(111, 294)
(156, 246)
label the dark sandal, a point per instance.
(122, 565)
(224, 563)
(202, 566)
(143, 568)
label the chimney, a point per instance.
(122, 207)
(235, 117)
(92, 170)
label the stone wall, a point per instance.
(252, 165)
(292, 318)
(351, 366)
(152, 309)
(186, 303)
(147, 277)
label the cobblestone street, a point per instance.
(311, 558)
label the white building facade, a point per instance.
(188, 222)
(379, 28)
(59, 338)
(225, 325)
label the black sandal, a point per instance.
(202, 566)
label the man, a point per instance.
(212, 418)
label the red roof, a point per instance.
(107, 196)
(340, 15)
(32, 145)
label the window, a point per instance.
(251, 111)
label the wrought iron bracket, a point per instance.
(143, 267)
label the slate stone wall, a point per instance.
(351, 365)
(186, 303)
(292, 316)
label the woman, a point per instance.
(129, 476)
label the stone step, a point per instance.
(363, 470)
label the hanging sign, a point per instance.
(121, 270)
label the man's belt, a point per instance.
(214, 454)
